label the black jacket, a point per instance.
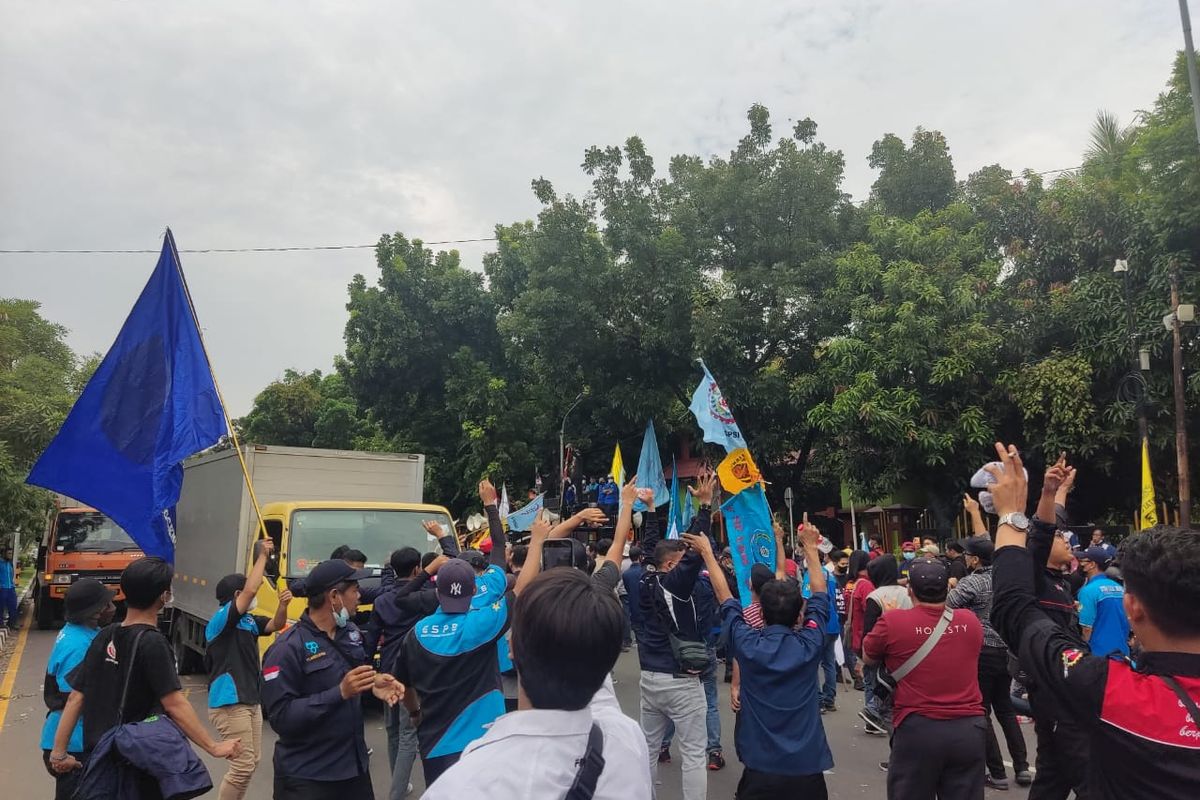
(1142, 741)
(654, 649)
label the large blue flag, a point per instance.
(522, 519)
(751, 535)
(650, 471)
(150, 405)
(713, 414)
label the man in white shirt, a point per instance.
(540, 750)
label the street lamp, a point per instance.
(562, 456)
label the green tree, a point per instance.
(39, 381)
(914, 178)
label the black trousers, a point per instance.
(994, 682)
(1062, 760)
(937, 758)
(756, 785)
(303, 789)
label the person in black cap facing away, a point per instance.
(133, 653)
(932, 652)
(234, 671)
(974, 592)
(313, 679)
(89, 605)
(1142, 724)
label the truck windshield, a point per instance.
(316, 534)
(90, 532)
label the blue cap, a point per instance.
(1097, 554)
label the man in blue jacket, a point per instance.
(8, 588)
(779, 725)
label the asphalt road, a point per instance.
(856, 773)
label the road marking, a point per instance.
(10, 675)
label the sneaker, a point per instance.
(859, 685)
(664, 755)
(1024, 777)
(871, 723)
(999, 784)
(883, 766)
(716, 761)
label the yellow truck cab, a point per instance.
(313, 501)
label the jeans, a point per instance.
(402, 749)
(243, 722)
(993, 685)
(8, 602)
(829, 670)
(870, 702)
(668, 699)
(712, 718)
(627, 625)
(851, 658)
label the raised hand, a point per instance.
(810, 537)
(970, 504)
(433, 528)
(285, 597)
(540, 530)
(629, 492)
(436, 564)
(647, 497)
(487, 493)
(1011, 489)
(1056, 475)
(263, 548)
(591, 516)
(700, 543)
(704, 489)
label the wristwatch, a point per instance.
(1016, 519)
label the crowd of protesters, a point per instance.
(494, 669)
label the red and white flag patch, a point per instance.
(270, 673)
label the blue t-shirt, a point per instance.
(7, 574)
(69, 650)
(1101, 609)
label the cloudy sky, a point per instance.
(304, 123)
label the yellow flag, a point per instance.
(738, 471)
(618, 466)
(1149, 513)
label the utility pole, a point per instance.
(1181, 443)
(1189, 54)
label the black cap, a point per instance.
(329, 574)
(85, 597)
(760, 576)
(928, 578)
(980, 547)
(228, 586)
(475, 558)
(958, 546)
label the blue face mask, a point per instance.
(909, 556)
(341, 617)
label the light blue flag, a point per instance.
(751, 535)
(650, 471)
(673, 530)
(713, 414)
(150, 404)
(687, 509)
(522, 519)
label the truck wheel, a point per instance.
(186, 659)
(43, 610)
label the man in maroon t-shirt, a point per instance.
(939, 742)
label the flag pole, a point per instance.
(237, 447)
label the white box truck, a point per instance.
(312, 501)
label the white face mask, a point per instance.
(341, 617)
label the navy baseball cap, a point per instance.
(329, 574)
(455, 586)
(1096, 554)
(928, 577)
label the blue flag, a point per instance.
(713, 414)
(673, 530)
(150, 405)
(650, 471)
(751, 535)
(522, 519)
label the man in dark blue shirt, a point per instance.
(314, 677)
(632, 578)
(779, 725)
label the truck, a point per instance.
(312, 501)
(79, 542)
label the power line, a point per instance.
(293, 249)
